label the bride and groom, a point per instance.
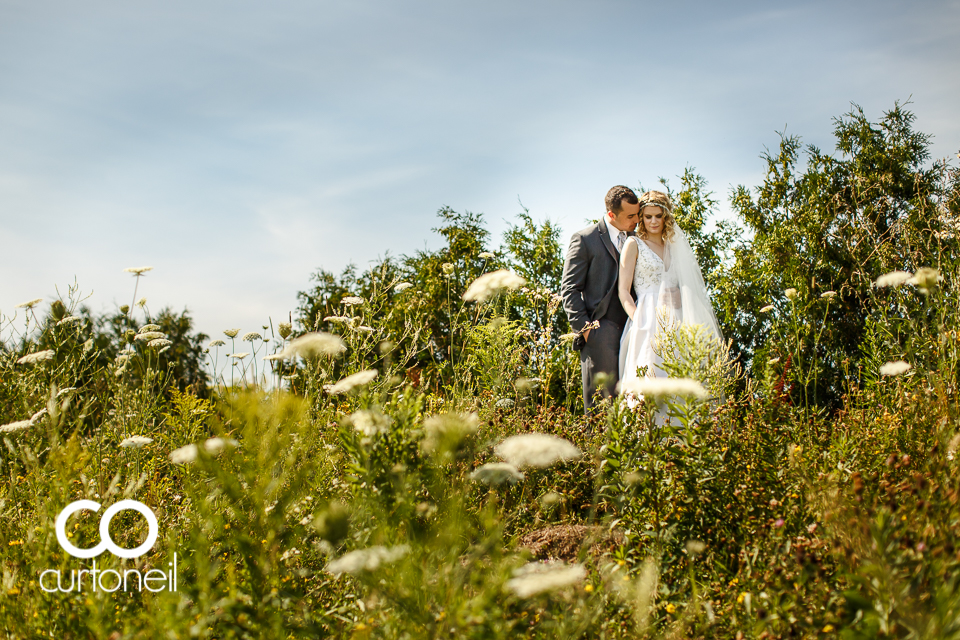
(619, 275)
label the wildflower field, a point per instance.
(406, 456)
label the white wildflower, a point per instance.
(773, 360)
(65, 391)
(538, 450)
(767, 309)
(444, 432)
(828, 295)
(216, 343)
(214, 446)
(16, 426)
(791, 293)
(188, 453)
(892, 279)
(275, 356)
(403, 286)
(568, 337)
(239, 356)
(369, 423)
(352, 301)
(497, 473)
(150, 335)
(38, 415)
(657, 387)
(142, 302)
(250, 337)
(135, 442)
(314, 344)
(231, 333)
(447, 268)
(492, 283)
(68, 320)
(925, 278)
(352, 381)
(149, 327)
(339, 319)
(184, 455)
(29, 304)
(505, 403)
(166, 348)
(138, 270)
(369, 559)
(486, 255)
(541, 577)
(159, 343)
(895, 368)
(365, 328)
(37, 356)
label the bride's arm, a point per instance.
(628, 262)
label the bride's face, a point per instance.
(652, 220)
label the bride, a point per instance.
(663, 270)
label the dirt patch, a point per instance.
(563, 541)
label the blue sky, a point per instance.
(238, 146)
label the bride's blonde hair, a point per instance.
(662, 200)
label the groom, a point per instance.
(589, 289)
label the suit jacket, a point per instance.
(589, 284)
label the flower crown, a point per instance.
(656, 199)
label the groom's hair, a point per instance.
(617, 195)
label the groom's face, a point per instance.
(627, 219)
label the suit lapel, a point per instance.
(605, 239)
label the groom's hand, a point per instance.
(586, 334)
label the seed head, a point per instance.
(791, 293)
(284, 329)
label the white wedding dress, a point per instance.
(659, 284)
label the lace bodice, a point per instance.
(649, 271)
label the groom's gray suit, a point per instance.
(589, 291)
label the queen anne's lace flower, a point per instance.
(135, 442)
(149, 327)
(138, 270)
(370, 559)
(37, 356)
(239, 356)
(68, 320)
(369, 423)
(828, 295)
(541, 577)
(352, 381)
(538, 450)
(767, 309)
(250, 337)
(216, 343)
(231, 333)
(925, 278)
(895, 368)
(497, 473)
(150, 335)
(892, 279)
(314, 344)
(29, 304)
(486, 255)
(159, 343)
(490, 284)
(403, 286)
(188, 453)
(791, 293)
(659, 387)
(351, 301)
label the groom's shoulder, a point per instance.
(593, 229)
